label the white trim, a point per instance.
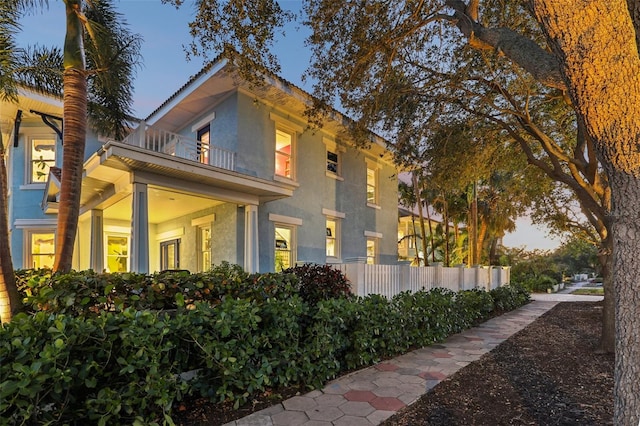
(285, 123)
(374, 206)
(182, 93)
(35, 223)
(204, 220)
(207, 120)
(333, 213)
(36, 96)
(113, 229)
(332, 145)
(372, 164)
(169, 235)
(372, 234)
(333, 176)
(287, 220)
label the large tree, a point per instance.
(102, 91)
(395, 64)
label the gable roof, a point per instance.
(218, 79)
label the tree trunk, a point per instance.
(596, 41)
(10, 302)
(73, 137)
(608, 336)
(626, 289)
(421, 218)
(74, 134)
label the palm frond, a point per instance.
(113, 55)
(9, 26)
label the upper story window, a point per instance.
(286, 133)
(372, 185)
(333, 163)
(42, 156)
(203, 146)
(333, 166)
(284, 153)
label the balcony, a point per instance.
(162, 141)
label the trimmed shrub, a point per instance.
(507, 298)
(320, 282)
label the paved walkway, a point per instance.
(370, 396)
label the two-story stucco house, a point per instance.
(221, 171)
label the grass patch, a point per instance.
(599, 291)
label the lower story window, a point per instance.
(204, 248)
(372, 251)
(284, 247)
(117, 253)
(332, 240)
(170, 254)
(41, 249)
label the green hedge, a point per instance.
(124, 364)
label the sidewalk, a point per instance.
(370, 396)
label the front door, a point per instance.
(170, 254)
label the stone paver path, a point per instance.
(369, 396)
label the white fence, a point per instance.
(389, 280)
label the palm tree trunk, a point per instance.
(74, 134)
(10, 302)
(75, 129)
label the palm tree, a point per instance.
(88, 91)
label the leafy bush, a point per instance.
(89, 293)
(320, 282)
(473, 305)
(97, 347)
(507, 298)
(539, 283)
(107, 369)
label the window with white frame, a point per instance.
(41, 157)
(117, 253)
(204, 248)
(285, 250)
(40, 248)
(372, 185)
(284, 153)
(170, 254)
(333, 166)
(332, 238)
(372, 251)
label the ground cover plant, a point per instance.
(126, 348)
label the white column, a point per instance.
(96, 256)
(251, 252)
(140, 229)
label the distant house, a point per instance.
(221, 171)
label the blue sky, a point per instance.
(165, 68)
(165, 31)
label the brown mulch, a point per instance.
(548, 374)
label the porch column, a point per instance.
(140, 229)
(251, 253)
(96, 254)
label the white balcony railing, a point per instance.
(166, 142)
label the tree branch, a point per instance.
(542, 65)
